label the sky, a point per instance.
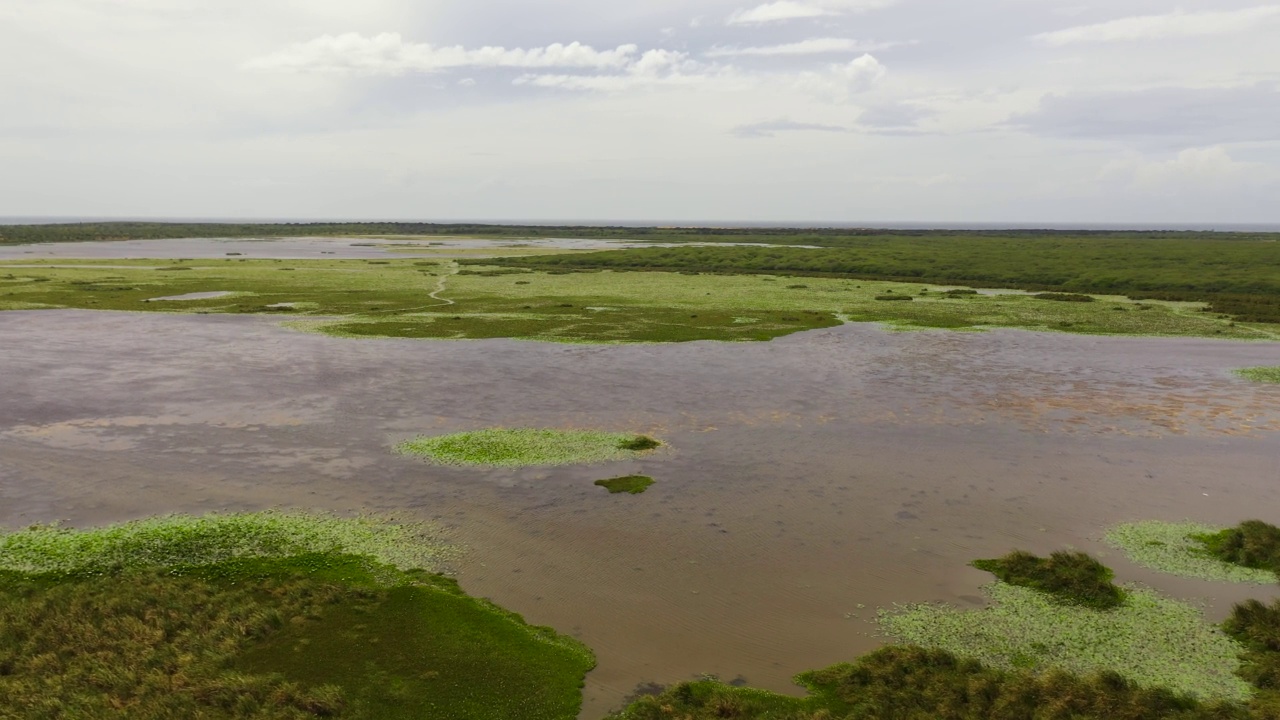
(850, 111)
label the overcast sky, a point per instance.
(793, 110)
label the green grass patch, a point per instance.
(914, 683)
(231, 617)
(1260, 374)
(1150, 640)
(1251, 544)
(1175, 548)
(1064, 297)
(634, 484)
(500, 447)
(1070, 577)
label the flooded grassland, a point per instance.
(804, 481)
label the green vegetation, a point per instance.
(426, 299)
(913, 683)
(1065, 297)
(634, 484)
(1178, 549)
(1070, 577)
(1150, 640)
(528, 446)
(1261, 374)
(1252, 544)
(1257, 626)
(269, 615)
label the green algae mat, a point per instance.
(526, 447)
(268, 615)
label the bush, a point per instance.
(1072, 577)
(1252, 544)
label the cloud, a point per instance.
(895, 116)
(812, 46)
(1191, 170)
(654, 67)
(1176, 24)
(782, 10)
(389, 54)
(1188, 116)
(770, 128)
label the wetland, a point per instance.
(818, 468)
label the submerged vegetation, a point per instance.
(263, 615)
(1071, 577)
(634, 484)
(1261, 374)
(1180, 549)
(521, 447)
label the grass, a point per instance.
(1251, 544)
(1149, 640)
(523, 447)
(221, 622)
(914, 683)
(1174, 548)
(634, 484)
(1070, 577)
(355, 298)
(1260, 374)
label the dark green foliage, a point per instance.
(960, 292)
(638, 443)
(634, 484)
(907, 298)
(1252, 543)
(911, 683)
(1065, 297)
(1257, 626)
(1071, 577)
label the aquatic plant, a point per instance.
(1174, 548)
(634, 484)
(1260, 374)
(1252, 544)
(1150, 640)
(1071, 577)
(499, 447)
(187, 540)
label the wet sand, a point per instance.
(810, 480)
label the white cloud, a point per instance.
(654, 67)
(389, 54)
(1171, 25)
(770, 128)
(781, 10)
(841, 80)
(1193, 169)
(812, 46)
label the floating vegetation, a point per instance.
(913, 683)
(1260, 374)
(281, 615)
(1174, 548)
(1064, 297)
(1150, 639)
(1070, 577)
(528, 446)
(1252, 544)
(634, 484)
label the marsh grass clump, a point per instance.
(891, 298)
(1257, 626)
(500, 447)
(1179, 549)
(633, 484)
(1064, 297)
(1260, 374)
(1150, 640)
(960, 292)
(914, 683)
(1252, 544)
(1070, 577)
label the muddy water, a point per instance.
(810, 479)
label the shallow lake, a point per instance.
(809, 480)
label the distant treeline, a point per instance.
(1238, 275)
(825, 237)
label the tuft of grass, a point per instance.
(1257, 626)
(1260, 374)
(891, 298)
(521, 447)
(1252, 544)
(634, 484)
(1149, 640)
(914, 683)
(1174, 548)
(1064, 297)
(1070, 577)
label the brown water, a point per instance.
(811, 479)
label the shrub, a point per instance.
(1072, 577)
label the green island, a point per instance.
(1248, 553)
(523, 447)
(280, 615)
(1071, 577)
(633, 484)
(1269, 375)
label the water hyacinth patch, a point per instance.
(186, 540)
(524, 447)
(1174, 548)
(633, 484)
(1150, 639)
